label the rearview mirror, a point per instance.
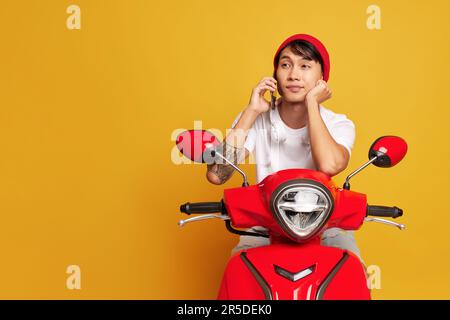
(193, 143)
(389, 151)
(385, 152)
(203, 147)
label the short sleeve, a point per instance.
(250, 140)
(343, 132)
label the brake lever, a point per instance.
(181, 223)
(388, 222)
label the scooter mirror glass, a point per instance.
(193, 143)
(389, 151)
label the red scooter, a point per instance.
(296, 206)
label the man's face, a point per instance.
(296, 76)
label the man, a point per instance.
(297, 133)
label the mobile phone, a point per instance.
(272, 100)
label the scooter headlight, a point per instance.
(302, 207)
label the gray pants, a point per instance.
(333, 237)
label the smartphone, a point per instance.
(272, 100)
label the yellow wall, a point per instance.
(86, 118)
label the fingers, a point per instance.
(321, 91)
(269, 78)
(261, 89)
(324, 86)
(322, 83)
(266, 83)
(269, 81)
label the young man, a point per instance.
(297, 133)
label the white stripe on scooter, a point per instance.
(308, 295)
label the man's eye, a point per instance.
(305, 65)
(284, 64)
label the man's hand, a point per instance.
(320, 93)
(220, 173)
(257, 102)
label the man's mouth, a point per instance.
(295, 88)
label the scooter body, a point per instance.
(287, 269)
(296, 206)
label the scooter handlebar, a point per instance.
(383, 211)
(202, 207)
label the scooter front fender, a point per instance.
(294, 272)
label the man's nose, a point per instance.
(295, 74)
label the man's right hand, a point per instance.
(257, 102)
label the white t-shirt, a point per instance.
(275, 146)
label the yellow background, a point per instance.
(86, 176)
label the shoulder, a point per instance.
(332, 118)
(260, 122)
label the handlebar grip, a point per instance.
(383, 211)
(201, 207)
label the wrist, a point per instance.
(311, 102)
(252, 110)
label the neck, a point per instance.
(294, 114)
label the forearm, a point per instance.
(236, 137)
(232, 149)
(329, 156)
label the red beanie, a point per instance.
(316, 43)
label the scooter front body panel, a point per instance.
(289, 271)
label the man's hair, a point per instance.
(304, 49)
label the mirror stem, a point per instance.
(245, 184)
(347, 184)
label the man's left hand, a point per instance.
(320, 93)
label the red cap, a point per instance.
(316, 43)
